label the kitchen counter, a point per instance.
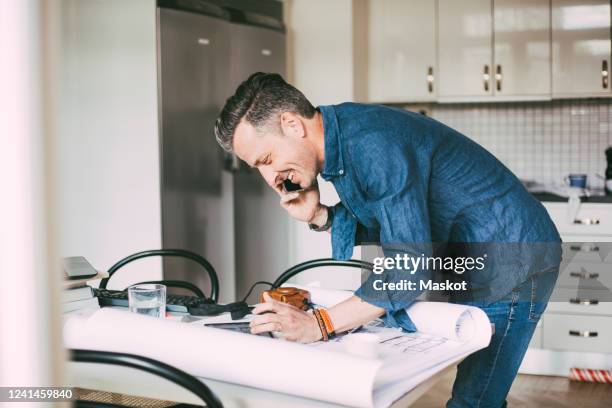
(558, 199)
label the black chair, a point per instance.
(212, 274)
(317, 263)
(181, 378)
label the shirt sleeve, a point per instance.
(347, 233)
(397, 244)
(397, 195)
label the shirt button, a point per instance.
(341, 172)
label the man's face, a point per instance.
(280, 153)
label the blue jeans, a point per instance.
(484, 378)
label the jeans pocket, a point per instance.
(535, 308)
(541, 289)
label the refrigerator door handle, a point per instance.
(231, 163)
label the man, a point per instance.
(405, 182)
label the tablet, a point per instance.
(242, 327)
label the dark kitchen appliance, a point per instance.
(210, 204)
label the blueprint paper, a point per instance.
(326, 373)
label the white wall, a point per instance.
(320, 49)
(109, 192)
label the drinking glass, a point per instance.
(148, 299)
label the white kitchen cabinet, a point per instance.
(577, 333)
(401, 50)
(465, 48)
(521, 48)
(580, 48)
(576, 329)
(494, 49)
(591, 220)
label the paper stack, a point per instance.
(79, 298)
(79, 295)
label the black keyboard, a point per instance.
(176, 303)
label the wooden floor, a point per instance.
(533, 391)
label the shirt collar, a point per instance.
(333, 165)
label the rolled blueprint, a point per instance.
(448, 320)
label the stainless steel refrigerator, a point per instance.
(210, 203)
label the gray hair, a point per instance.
(259, 99)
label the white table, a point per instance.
(133, 382)
(129, 381)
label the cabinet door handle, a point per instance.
(584, 275)
(584, 248)
(486, 77)
(585, 302)
(587, 221)
(604, 74)
(430, 79)
(583, 333)
(498, 77)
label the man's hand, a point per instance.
(294, 324)
(304, 205)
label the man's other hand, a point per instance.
(294, 324)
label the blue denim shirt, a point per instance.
(404, 178)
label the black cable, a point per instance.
(253, 287)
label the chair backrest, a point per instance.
(181, 253)
(317, 263)
(148, 365)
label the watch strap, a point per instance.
(328, 223)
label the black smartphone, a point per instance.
(77, 267)
(290, 187)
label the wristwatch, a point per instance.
(328, 223)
